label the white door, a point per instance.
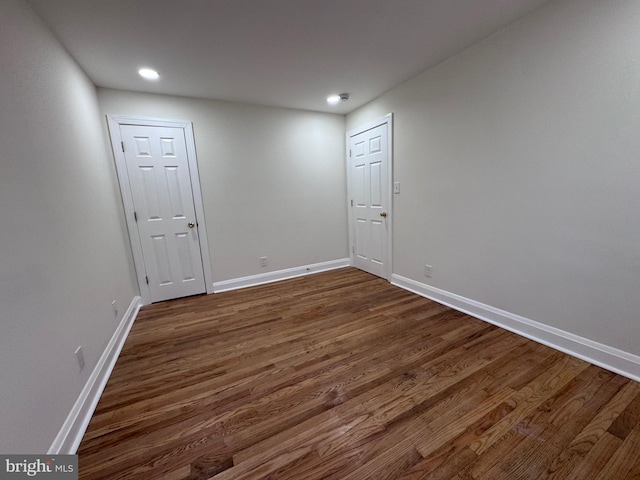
(369, 172)
(160, 182)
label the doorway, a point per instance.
(158, 175)
(369, 159)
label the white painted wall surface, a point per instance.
(273, 180)
(519, 164)
(63, 243)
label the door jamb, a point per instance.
(114, 122)
(388, 121)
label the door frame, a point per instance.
(387, 121)
(114, 122)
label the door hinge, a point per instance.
(352, 202)
(122, 145)
(353, 248)
(135, 216)
(147, 279)
(349, 152)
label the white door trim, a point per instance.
(387, 120)
(114, 122)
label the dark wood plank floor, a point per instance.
(341, 375)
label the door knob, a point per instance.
(383, 214)
(191, 224)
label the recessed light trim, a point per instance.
(148, 74)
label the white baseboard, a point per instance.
(278, 275)
(613, 359)
(74, 427)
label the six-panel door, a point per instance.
(157, 165)
(369, 180)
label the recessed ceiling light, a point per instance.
(148, 74)
(335, 99)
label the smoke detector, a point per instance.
(335, 99)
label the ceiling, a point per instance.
(286, 53)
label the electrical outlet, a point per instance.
(114, 304)
(79, 358)
(263, 261)
(427, 271)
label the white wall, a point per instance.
(519, 161)
(273, 179)
(63, 244)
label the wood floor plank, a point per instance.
(628, 419)
(562, 417)
(623, 460)
(165, 405)
(580, 445)
(392, 403)
(530, 397)
(341, 375)
(596, 458)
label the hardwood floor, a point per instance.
(341, 375)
